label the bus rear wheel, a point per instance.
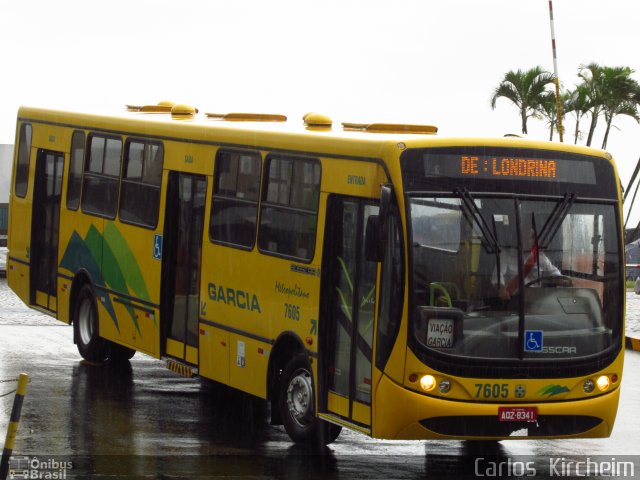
(297, 405)
(119, 353)
(85, 327)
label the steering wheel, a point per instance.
(552, 281)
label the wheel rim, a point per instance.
(300, 398)
(85, 321)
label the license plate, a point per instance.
(518, 414)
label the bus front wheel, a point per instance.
(85, 325)
(297, 405)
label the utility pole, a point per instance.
(555, 70)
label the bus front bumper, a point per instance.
(401, 413)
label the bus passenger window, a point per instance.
(22, 167)
(289, 210)
(234, 206)
(141, 179)
(102, 176)
(74, 185)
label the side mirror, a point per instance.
(373, 245)
(377, 226)
(386, 195)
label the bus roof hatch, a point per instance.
(390, 128)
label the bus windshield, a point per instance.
(521, 268)
(497, 277)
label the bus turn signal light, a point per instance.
(603, 383)
(428, 383)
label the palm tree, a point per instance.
(591, 76)
(548, 109)
(578, 103)
(621, 96)
(525, 89)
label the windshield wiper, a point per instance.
(550, 227)
(474, 212)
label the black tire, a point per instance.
(85, 327)
(297, 405)
(119, 353)
(327, 432)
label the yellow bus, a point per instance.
(371, 276)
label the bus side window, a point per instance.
(141, 179)
(101, 179)
(22, 166)
(234, 205)
(289, 210)
(74, 185)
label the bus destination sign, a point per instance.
(509, 168)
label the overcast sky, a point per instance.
(431, 62)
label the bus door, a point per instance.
(45, 223)
(182, 246)
(351, 290)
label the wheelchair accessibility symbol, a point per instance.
(533, 340)
(157, 246)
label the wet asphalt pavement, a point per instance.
(143, 421)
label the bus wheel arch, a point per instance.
(297, 405)
(115, 352)
(81, 279)
(291, 390)
(297, 398)
(286, 347)
(85, 322)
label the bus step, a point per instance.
(341, 421)
(181, 368)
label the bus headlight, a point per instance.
(428, 382)
(603, 383)
(444, 386)
(588, 386)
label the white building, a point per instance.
(6, 160)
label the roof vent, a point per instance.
(313, 119)
(247, 117)
(181, 110)
(390, 128)
(162, 107)
(165, 106)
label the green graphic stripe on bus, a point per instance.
(93, 241)
(82, 254)
(114, 276)
(552, 390)
(126, 260)
(120, 271)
